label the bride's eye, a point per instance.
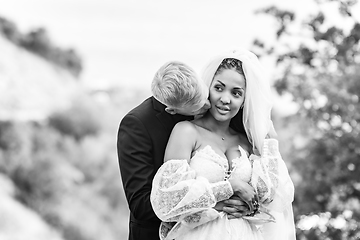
(238, 93)
(218, 88)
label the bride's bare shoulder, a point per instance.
(185, 127)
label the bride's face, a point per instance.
(227, 94)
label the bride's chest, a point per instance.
(207, 163)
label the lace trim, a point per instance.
(222, 161)
(193, 218)
(270, 147)
(203, 201)
(267, 175)
(237, 162)
(166, 201)
(215, 157)
(165, 228)
(221, 191)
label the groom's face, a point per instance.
(194, 109)
(197, 109)
(191, 110)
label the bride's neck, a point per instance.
(214, 125)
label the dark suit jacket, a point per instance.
(142, 139)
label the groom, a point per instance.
(178, 95)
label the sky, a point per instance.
(123, 43)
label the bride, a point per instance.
(207, 162)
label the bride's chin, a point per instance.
(222, 118)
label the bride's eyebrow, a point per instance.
(239, 88)
(221, 82)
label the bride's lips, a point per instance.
(223, 109)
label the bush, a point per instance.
(67, 170)
(79, 121)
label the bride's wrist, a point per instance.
(234, 184)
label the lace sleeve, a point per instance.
(275, 189)
(177, 192)
(183, 200)
(270, 177)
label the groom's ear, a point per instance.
(170, 110)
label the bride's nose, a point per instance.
(224, 99)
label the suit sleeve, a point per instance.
(136, 166)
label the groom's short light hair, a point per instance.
(177, 85)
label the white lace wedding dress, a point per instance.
(184, 194)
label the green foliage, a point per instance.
(79, 121)
(31, 159)
(283, 17)
(38, 42)
(322, 73)
(62, 178)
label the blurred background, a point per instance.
(70, 70)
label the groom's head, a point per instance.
(179, 88)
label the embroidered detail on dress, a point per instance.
(221, 192)
(207, 152)
(193, 218)
(168, 200)
(165, 228)
(266, 168)
(262, 189)
(205, 200)
(241, 167)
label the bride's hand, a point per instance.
(245, 191)
(235, 207)
(219, 206)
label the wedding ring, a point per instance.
(255, 204)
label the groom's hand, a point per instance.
(235, 207)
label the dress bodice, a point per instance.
(209, 164)
(184, 195)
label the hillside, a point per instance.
(18, 221)
(55, 186)
(31, 87)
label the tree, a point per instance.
(322, 74)
(37, 41)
